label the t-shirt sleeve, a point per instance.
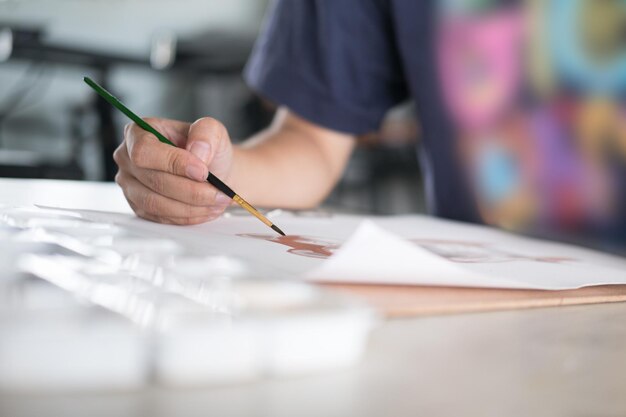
(332, 62)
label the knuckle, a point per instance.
(188, 211)
(155, 182)
(120, 155)
(116, 154)
(150, 203)
(198, 195)
(136, 153)
(176, 162)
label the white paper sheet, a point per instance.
(408, 250)
(460, 255)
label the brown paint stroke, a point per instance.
(300, 245)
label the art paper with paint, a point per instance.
(408, 250)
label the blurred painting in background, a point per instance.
(536, 89)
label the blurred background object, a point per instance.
(179, 60)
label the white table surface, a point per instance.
(59, 193)
(568, 361)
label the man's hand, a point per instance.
(167, 184)
(292, 163)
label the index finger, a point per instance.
(145, 151)
(174, 130)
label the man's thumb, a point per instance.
(204, 137)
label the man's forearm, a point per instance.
(291, 164)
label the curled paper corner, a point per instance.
(373, 255)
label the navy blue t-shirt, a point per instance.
(521, 102)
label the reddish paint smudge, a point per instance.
(300, 245)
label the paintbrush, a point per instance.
(212, 179)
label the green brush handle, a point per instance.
(115, 102)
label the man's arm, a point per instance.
(291, 164)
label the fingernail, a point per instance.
(196, 172)
(201, 150)
(222, 199)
